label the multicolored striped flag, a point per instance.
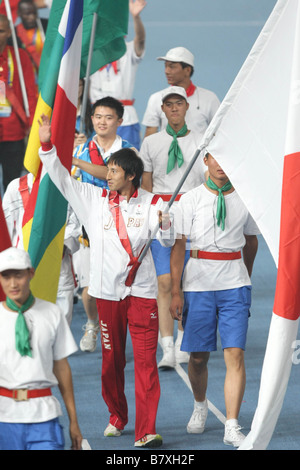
(45, 215)
(5, 241)
(255, 138)
(111, 29)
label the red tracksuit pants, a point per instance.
(141, 316)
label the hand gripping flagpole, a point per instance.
(135, 266)
(179, 186)
(16, 49)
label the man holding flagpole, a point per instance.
(119, 222)
(217, 289)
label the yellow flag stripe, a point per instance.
(41, 283)
(32, 159)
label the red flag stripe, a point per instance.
(287, 295)
(63, 112)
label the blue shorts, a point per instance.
(204, 312)
(33, 436)
(161, 257)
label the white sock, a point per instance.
(179, 336)
(231, 422)
(167, 341)
(199, 404)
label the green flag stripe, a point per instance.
(45, 229)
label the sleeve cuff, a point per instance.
(46, 146)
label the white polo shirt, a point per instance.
(195, 218)
(154, 153)
(51, 339)
(120, 85)
(203, 106)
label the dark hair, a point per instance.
(22, 2)
(109, 102)
(130, 162)
(184, 65)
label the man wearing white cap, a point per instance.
(35, 341)
(166, 155)
(179, 67)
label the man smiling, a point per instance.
(90, 160)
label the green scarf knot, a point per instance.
(21, 330)
(175, 153)
(221, 207)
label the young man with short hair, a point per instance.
(179, 68)
(35, 341)
(107, 115)
(119, 222)
(166, 156)
(217, 289)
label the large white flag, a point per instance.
(255, 138)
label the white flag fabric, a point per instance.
(256, 140)
(247, 134)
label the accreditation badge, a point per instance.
(5, 108)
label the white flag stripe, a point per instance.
(70, 65)
(256, 126)
(247, 135)
(274, 379)
(283, 332)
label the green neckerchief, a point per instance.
(221, 208)
(175, 152)
(21, 331)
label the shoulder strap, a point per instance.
(24, 190)
(96, 157)
(155, 199)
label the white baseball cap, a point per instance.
(14, 258)
(179, 54)
(173, 90)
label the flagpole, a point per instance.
(87, 77)
(179, 186)
(16, 49)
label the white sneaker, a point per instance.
(168, 360)
(232, 435)
(88, 342)
(197, 421)
(112, 431)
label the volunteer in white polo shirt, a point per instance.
(119, 222)
(166, 155)
(179, 68)
(118, 78)
(217, 289)
(35, 340)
